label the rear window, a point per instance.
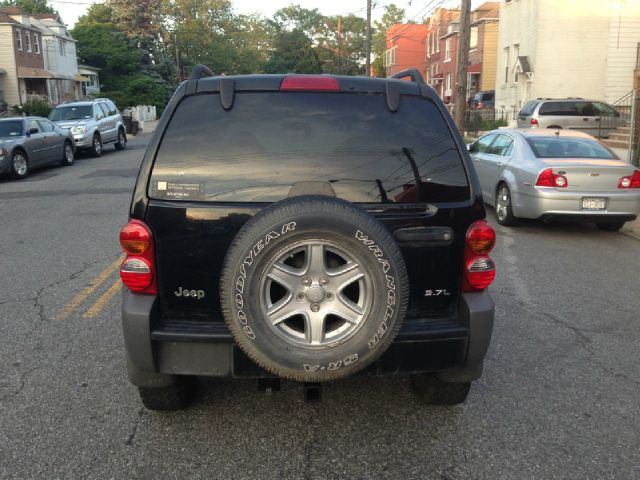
(269, 143)
(567, 147)
(566, 109)
(528, 109)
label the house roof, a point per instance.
(524, 64)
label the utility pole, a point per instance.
(464, 38)
(368, 49)
(178, 71)
(339, 43)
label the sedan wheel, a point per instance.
(68, 157)
(504, 213)
(19, 165)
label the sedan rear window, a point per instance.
(271, 143)
(567, 147)
(11, 128)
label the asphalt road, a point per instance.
(559, 397)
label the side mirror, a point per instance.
(32, 130)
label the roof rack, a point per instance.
(201, 71)
(414, 73)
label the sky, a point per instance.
(70, 10)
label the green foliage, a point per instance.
(293, 54)
(36, 107)
(29, 6)
(101, 44)
(487, 125)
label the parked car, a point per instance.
(306, 227)
(27, 143)
(545, 174)
(93, 124)
(486, 99)
(589, 116)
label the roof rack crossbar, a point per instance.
(414, 73)
(201, 71)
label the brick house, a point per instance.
(406, 45)
(22, 71)
(437, 53)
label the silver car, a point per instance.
(589, 116)
(27, 143)
(546, 174)
(93, 123)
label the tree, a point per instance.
(101, 44)
(293, 53)
(392, 15)
(345, 57)
(29, 6)
(141, 22)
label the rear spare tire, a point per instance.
(313, 288)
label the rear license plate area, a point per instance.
(594, 203)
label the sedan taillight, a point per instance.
(138, 269)
(631, 181)
(534, 123)
(549, 179)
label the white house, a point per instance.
(568, 48)
(91, 85)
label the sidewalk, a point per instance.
(632, 228)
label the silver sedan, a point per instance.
(547, 174)
(27, 143)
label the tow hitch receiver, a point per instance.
(312, 392)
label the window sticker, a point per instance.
(179, 190)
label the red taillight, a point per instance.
(549, 179)
(481, 237)
(479, 274)
(631, 181)
(534, 122)
(309, 83)
(479, 269)
(138, 269)
(135, 237)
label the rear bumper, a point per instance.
(155, 352)
(545, 202)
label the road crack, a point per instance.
(132, 435)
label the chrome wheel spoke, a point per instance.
(314, 328)
(344, 276)
(315, 259)
(286, 276)
(348, 310)
(283, 309)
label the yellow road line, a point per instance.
(82, 296)
(103, 300)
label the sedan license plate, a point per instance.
(589, 203)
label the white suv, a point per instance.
(92, 123)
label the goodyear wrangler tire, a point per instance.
(313, 288)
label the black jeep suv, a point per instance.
(306, 227)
